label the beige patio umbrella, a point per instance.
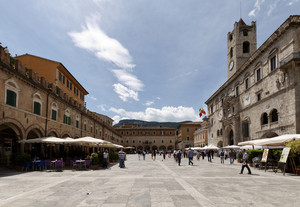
(52, 140)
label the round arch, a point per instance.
(15, 125)
(273, 115)
(170, 148)
(154, 147)
(37, 129)
(65, 135)
(52, 133)
(34, 133)
(269, 135)
(9, 136)
(140, 147)
(162, 148)
(147, 148)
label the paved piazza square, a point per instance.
(151, 183)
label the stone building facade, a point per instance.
(32, 107)
(200, 135)
(147, 138)
(185, 134)
(261, 97)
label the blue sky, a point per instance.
(154, 60)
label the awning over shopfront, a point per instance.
(275, 141)
(232, 147)
(88, 141)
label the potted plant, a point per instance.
(94, 161)
(240, 157)
(253, 153)
(295, 154)
(20, 159)
(113, 156)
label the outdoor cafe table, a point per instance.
(35, 163)
(80, 163)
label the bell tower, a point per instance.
(241, 44)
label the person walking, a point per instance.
(164, 155)
(139, 154)
(208, 156)
(245, 160)
(144, 154)
(232, 155)
(154, 155)
(178, 157)
(190, 155)
(105, 159)
(222, 156)
(203, 155)
(122, 156)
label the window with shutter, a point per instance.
(53, 116)
(37, 108)
(11, 98)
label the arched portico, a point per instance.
(9, 136)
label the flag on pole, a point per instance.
(201, 111)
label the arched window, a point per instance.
(77, 122)
(54, 109)
(37, 104)
(245, 32)
(246, 47)
(218, 133)
(187, 137)
(67, 117)
(274, 115)
(264, 119)
(231, 52)
(11, 93)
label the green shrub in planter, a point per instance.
(254, 153)
(94, 159)
(113, 156)
(240, 156)
(21, 158)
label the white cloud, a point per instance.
(149, 103)
(116, 119)
(128, 79)
(272, 7)
(167, 113)
(125, 93)
(93, 39)
(293, 2)
(158, 98)
(256, 9)
(92, 97)
(102, 107)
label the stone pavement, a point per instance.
(151, 183)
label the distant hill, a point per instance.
(150, 123)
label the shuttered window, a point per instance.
(37, 108)
(11, 98)
(53, 115)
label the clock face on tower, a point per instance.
(231, 64)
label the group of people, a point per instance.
(224, 155)
(189, 154)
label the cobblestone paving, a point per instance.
(150, 183)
